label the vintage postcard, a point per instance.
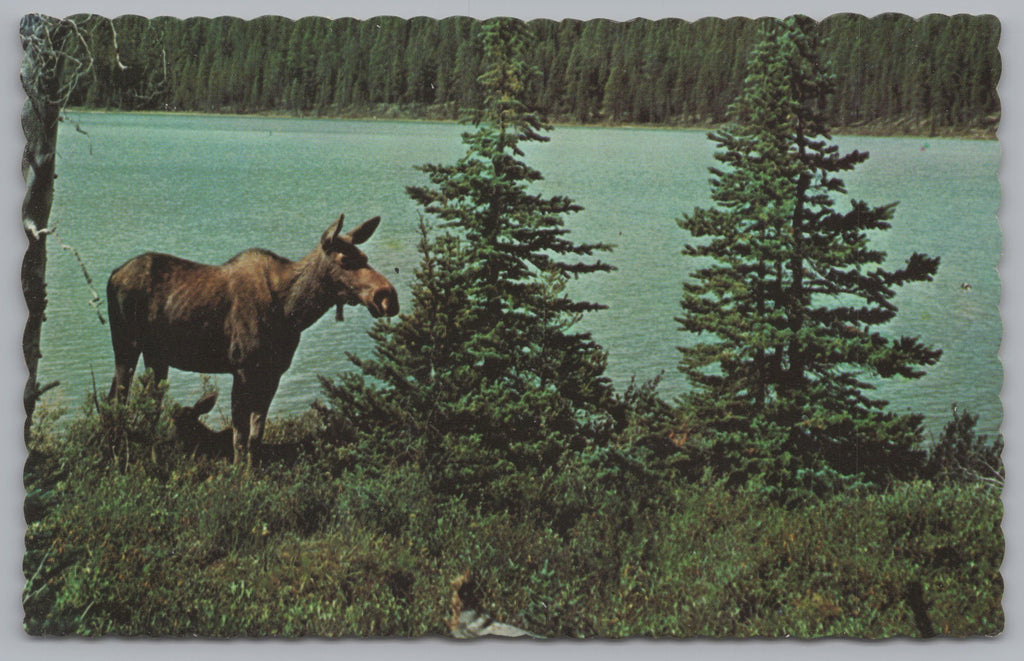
(483, 326)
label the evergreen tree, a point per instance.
(614, 100)
(484, 385)
(788, 301)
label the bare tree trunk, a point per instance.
(43, 40)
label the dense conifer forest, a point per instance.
(893, 73)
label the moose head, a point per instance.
(355, 281)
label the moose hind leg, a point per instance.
(126, 356)
(124, 371)
(158, 366)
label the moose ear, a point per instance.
(364, 231)
(331, 234)
(205, 403)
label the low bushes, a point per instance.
(600, 546)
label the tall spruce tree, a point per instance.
(483, 383)
(790, 296)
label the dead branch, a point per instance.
(117, 49)
(58, 50)
(95, 302)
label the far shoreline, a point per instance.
(884, 129)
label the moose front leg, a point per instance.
(263, 394)
(250, 400)
(241, 414)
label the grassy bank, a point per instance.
(898, 127)
(191, 546)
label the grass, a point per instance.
(198, 547)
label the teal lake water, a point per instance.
(206, 188)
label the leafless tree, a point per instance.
(58, 55)
(47, 45)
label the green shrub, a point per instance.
(740, 565)
(794, 467)
(121, 434)
(961, 455)
(112, 523)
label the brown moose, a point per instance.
(243, 317)
(201, 441)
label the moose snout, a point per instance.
(385, 302)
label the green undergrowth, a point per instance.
(197, 547)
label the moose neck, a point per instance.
(307, 294)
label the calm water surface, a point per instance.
(207, 187)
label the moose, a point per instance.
(201, 441)
(242, 318)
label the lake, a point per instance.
(207, 187)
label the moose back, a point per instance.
(243, 317)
